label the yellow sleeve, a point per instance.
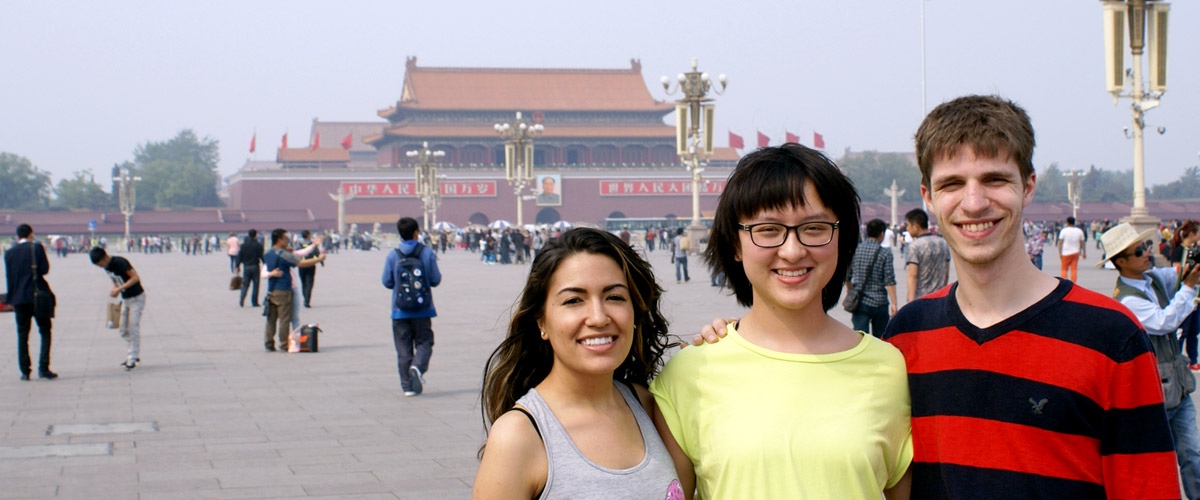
(663, 389)
(902, 462)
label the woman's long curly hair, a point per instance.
(524, 359)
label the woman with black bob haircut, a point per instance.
(774, 178)
(792, 403)
(564, 395)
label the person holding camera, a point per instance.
(1183, 244)
(1161, 300)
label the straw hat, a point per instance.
(1121, 237)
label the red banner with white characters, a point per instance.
(658, 188)
(408, 189)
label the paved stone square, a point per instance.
(209, 414)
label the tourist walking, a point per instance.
(1071, 249)
(410, 272)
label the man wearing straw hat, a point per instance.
(1160, 303)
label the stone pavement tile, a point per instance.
(248, 477)
(101, 480)
(227, 493)
(113, 468)
(18, 490)
(404, 466)
(334, 486)
(425, 488)
(161, 448)
(126, 490)
(18, 470)
(316, 457)
(331, 468)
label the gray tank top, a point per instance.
(572, 476)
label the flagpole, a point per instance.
(924, 107)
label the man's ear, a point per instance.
(926, 195)
(1030, 187)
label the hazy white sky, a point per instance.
(86, 82)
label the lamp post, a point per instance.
(429, 189)
(1074, 194)
(518, 157)
(127, 195)
(694, 129)
(1147, 28)
(341, 198)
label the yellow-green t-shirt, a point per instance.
(758, 423)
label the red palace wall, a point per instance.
(636, 194)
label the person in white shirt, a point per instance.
(1071, 250)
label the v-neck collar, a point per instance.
(984, 335)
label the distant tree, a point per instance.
(177, 173)
(82, 191)
(1107, 186)
(1051, 185)
(1187, 187)
(872, 172)
(22, 185)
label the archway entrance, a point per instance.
(547, 216)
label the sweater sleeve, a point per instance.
(1136, 448)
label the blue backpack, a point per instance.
(412, 283)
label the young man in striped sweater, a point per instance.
(1023, 385)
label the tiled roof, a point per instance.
(527, 89)
(725, 154)
(307, 155)
(551, 132)
(332, 133)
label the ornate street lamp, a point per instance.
(1147, 22)
(429, 189)
(694, 129)
(518, 157)
(127, 199)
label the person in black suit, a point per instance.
(248, 258)
(26, 266)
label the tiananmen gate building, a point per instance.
(605, 145)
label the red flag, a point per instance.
(736, 142)
(284, 146)
(348, 141)
(253, 139)
(791, 137)
(818, 141)
(763, 140)
(316, 141)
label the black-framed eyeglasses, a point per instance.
(773, 234)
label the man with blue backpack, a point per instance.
(411, 272)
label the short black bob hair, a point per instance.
(774, 178)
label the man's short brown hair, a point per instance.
(990, 125)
